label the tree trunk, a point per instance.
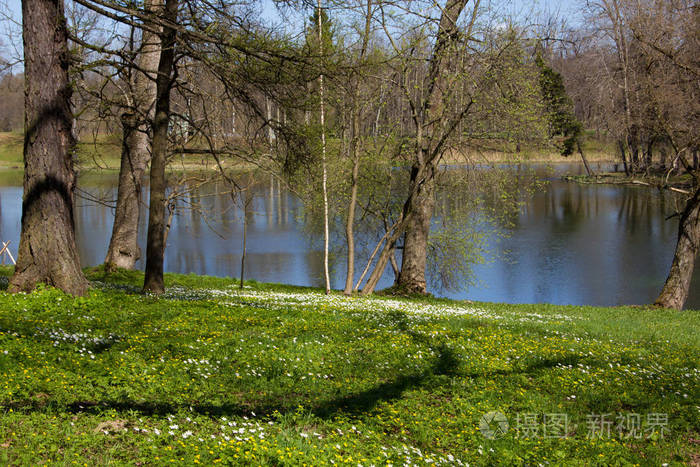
(383, 259)
(634, 154)
(662, 158)
(349, 226)
(246, 204)
(648, 155)
(677, 286)
(621, 145)
(415, 250)
(355, 150)
(394, 264)
(354, 182)
(589, 171)
(47, 249)
(153, 281)
(430, 133)
(324, 186)
(123, 250)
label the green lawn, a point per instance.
(11, 150)
(288, 376)
(102, 152)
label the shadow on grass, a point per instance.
(445, 365)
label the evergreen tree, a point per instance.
(559, 109)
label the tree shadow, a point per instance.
(445, 365)
(353, 404)
(361, 402)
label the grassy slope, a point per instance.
(284, 375)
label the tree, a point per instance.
(355, 146)
(155, 246)
(667, 36)
(677, 286)
(47, 249)
(559, 108)
(136, 118)
(653, 47)
(324, 187)
(432, 128)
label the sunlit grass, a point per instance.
(288, 376)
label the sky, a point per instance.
(521, 8)
(565, 6)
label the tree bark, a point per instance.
(429, 130)
(47, 249)
(355, 150)
(589, 171)
(621, 145)
(123, 250)
(350, 222)
(677, 286)
(155, 244)
(415, 251)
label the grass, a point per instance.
(11, 150)
(104, 151)
(596, 150)
(280, 375)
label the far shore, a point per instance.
(103, 154)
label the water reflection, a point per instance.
(592, 244)
(570, 244)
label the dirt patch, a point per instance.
(111, 427)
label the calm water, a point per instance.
(571, 244)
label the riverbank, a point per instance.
(596, 151)
(281, 375)
(104, 152)
(678, 183)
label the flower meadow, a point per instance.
(278, 375)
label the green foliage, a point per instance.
(327, 33)
(279, 375)
(453, 251)
(507, 105)
(562, 121)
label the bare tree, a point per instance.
(667, 34)
(155, 247)
(123, 250)
(324, 187)
(355, 147)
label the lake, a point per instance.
(570, 244)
